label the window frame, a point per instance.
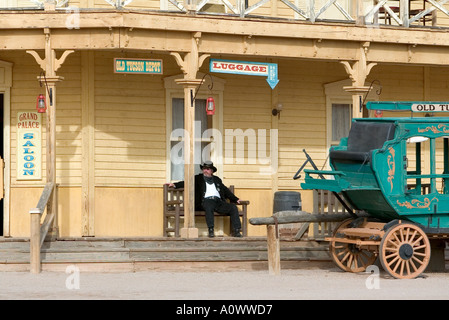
(335, 94)
(173, 90)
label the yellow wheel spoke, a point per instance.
(396, 238)
(356, 263)
(392, 255)
(342, 252)
(394, 260)
(395, 244)
(413, 236)
(401, 233)
(350, 261)
(407, 235)
(420, 247)
(417, 260)
(413, 265)
(419, 239)
(421, 254)
(397, 265)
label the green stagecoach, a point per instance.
(397, 171)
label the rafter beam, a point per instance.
(171, 33)
(233, 25)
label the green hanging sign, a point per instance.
(137, 66)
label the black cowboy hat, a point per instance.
(208, 164)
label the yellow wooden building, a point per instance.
(110, 139)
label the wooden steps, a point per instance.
(158, 251)
(134, 254)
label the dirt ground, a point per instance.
(300, 284)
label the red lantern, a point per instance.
(210, 106)
(378, 114)
(41, 106)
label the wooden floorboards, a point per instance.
(92, 254)
(132, 254)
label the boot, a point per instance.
(211, 232)
(237, 233)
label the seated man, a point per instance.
(211, 195)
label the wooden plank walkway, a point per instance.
(168, 254)
(160, 253)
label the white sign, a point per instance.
(29, 145)
(269, 70)
(430, 107)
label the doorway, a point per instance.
(2, 156)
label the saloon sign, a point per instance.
(269, 70)
(29, 147)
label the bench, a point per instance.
(362, 139)
(174, 210)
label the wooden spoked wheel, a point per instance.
(404, 251)
(348, 256)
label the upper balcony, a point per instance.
(399, 13)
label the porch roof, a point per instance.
(225, 35)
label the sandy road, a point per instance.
(314, 283)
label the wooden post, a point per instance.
(358, 12)
(88, 132)
(49, 65)
(51, 144)
(274, 250)
(35, 247)
(358, 72)
(404, 12)
(50, 83)
(358, 94)
(190, 65)
(51, 115)
(190, 86)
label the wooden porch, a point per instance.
(138, 254)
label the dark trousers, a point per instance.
(220, 206)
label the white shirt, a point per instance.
(211, 191)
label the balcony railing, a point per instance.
(404, 13)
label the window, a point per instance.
(203, 122)
(208, 142)
(427, 165)
(417, 164)
(339, 109)
(341, 121)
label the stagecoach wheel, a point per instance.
(348, 256)
(404, 251)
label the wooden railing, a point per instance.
(38, 231)
(324, 202)
(393, 12)
(326, 214)
(273, 241)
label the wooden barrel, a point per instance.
(287, 201)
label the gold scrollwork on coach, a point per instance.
(414, 204)
(391, 167)
(441, 128)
